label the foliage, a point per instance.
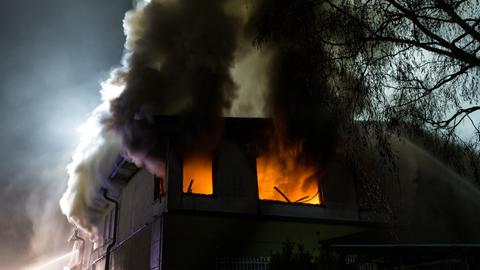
(296, 257)
(419, 60)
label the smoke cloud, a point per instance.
(53, 53)
(303, 100)
(202, 60)
(89, 171)
(199, 60)
(178, 61)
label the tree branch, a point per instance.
(446, 123)
(451, 12)
(455, 51)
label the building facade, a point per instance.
(215, 210)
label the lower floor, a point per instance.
(212, 241)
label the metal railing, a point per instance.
(242, 263)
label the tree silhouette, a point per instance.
(419, 60)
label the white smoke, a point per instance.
(99, 148)
(250, 73)
(91, 165)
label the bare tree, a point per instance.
(418, 60)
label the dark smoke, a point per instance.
(180, 65)
(182, 60)
(179, 61)
(302, 102)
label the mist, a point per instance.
(53, 54)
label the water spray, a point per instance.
(44, 266)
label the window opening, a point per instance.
(197, 173)
(285, 175)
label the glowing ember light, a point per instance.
(53, 263)
(283, 176)
(197, 174)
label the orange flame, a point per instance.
(197, 174)
(283, 175)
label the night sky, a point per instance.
(54, 54)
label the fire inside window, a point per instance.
(197, 173)
(284, 176)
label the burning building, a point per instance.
(228, 207)
(166, 178)
(222, 208)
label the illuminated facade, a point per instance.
(221, 209)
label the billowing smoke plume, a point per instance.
(189, 58)
(301, 102)
(202, 60)
(179, 56)
(178, 60)
(89, 171)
